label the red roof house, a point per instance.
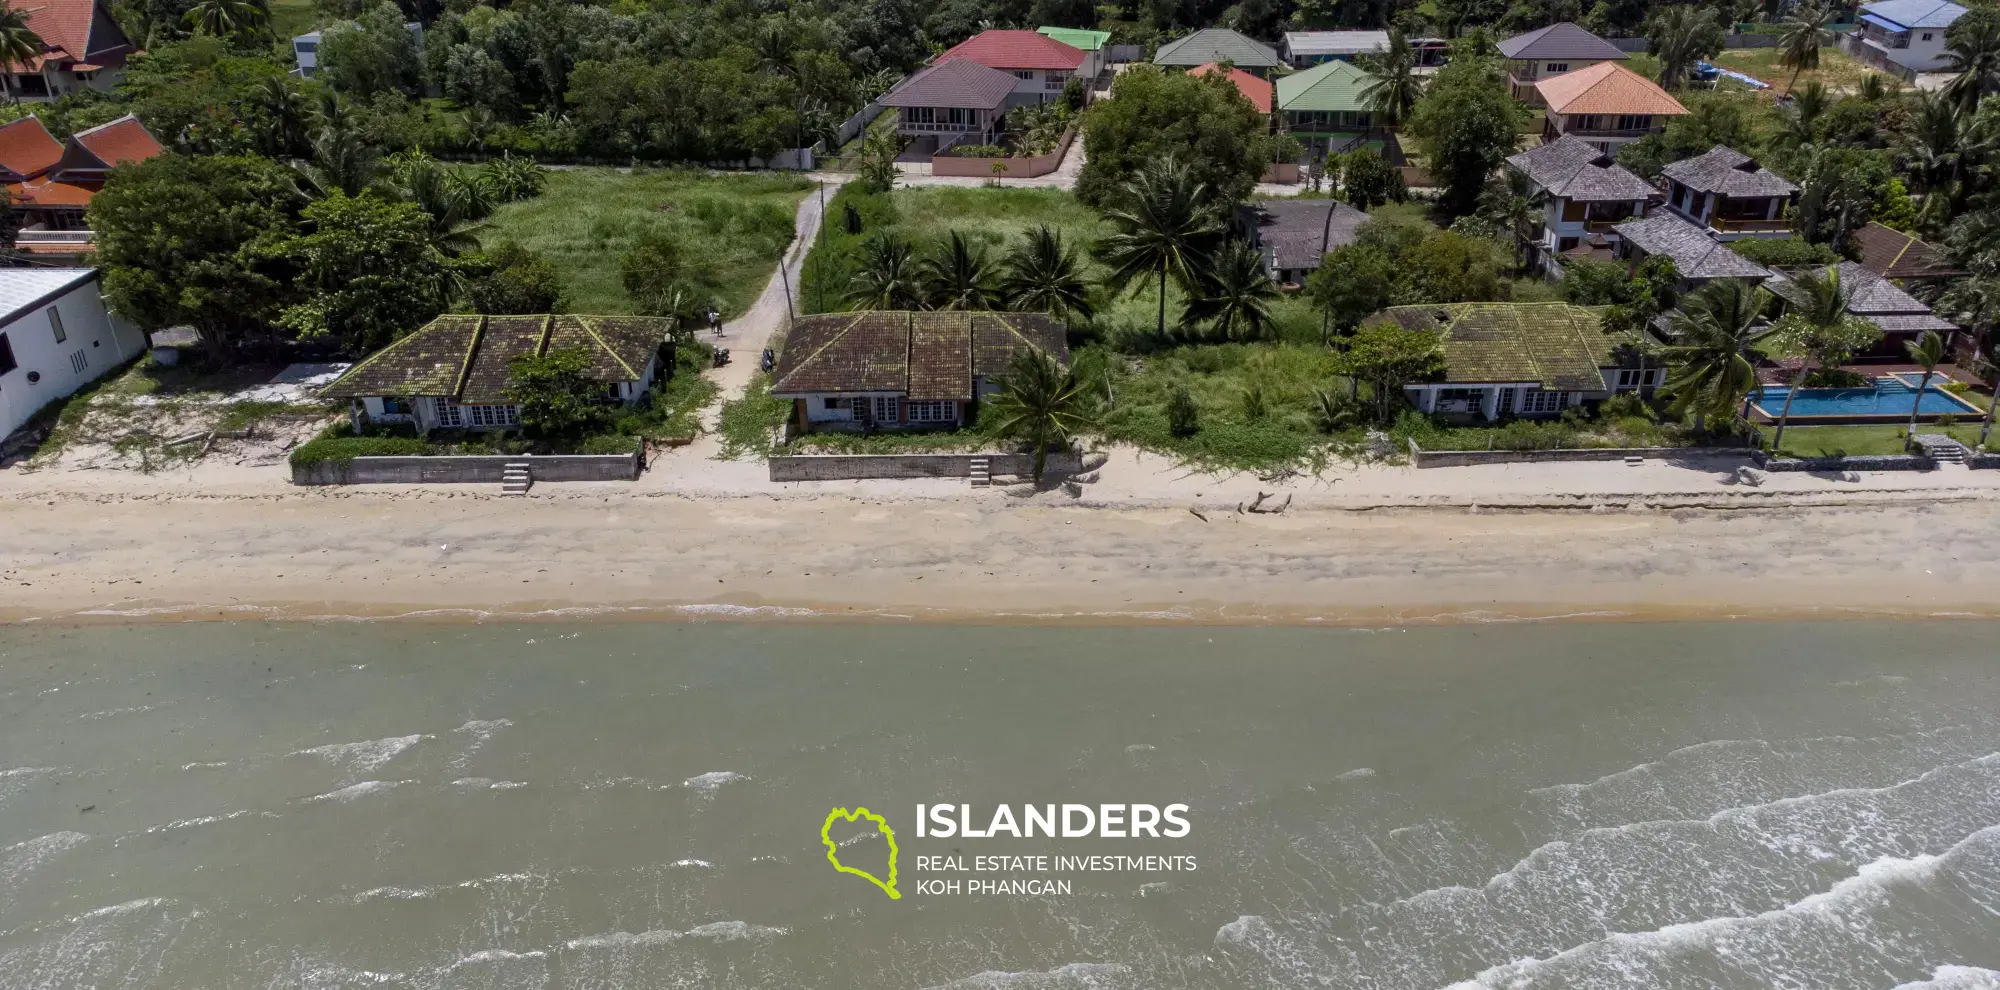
(1257, 91)
(83, 48)
(27, 149)
(1011, 50)
(52, 195)
(92, 153)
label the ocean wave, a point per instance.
(394, 894)
(478, 733)
(203, 766)
(498, 956)
(485, 784)
(744, 611)
(715, 931)
(692, 864)
(21, 858)
(366, 756)
(115, 910)
(1080, 975)
(112, 713)
(1358, 773)
(204, 820)
(361, 790)
(1957, 978)
(1141, 748)
(709, 783)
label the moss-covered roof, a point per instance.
(469, 359)
(931, 355)
(1557, 345)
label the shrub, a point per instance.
(609, 443)
(1835, 378)
(1183, 416)
(341, 449)
(1784, 252)
(1625, 405)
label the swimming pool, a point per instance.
(1889, 399)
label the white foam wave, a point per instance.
(1084, 975)
(115, 910)
(1359, 773)
(477, 733)
(366, 756)
(19, 859)
(693, 864)
(1141, 748)
(394, 894)
(203, 766)
(1957, 978)
(498, 956)
(486, 784)
(196, 822)
(112, 713)
(744, 611)
(715, 931)
(361, 790)
(709, 783)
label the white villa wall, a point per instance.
(95, 341)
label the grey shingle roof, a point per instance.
(470, 358)
(1560, 40)
(1217, 45)
(1573, 168)
(1295, 230)
(1695, 254)
(1729, 172)
(1874, 298)
(930, 355)
(958, 83)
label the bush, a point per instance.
(1835, 378)
(1784, 252)
(1183, 416)
(341, 449)
(1626, 405)
(610, 443)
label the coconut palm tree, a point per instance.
(1798, 47)
(19, 45)
(888, 278)
(227, 18)
(1513, 205)
(286, 130)
(1972, 50)
(1926, 352)
(1715, 351)
(1396, 87)
(957, 275)
(1680, 36)
(1044, 275)
(1798, 124)
(341, 162)
(1167, 226)
(457, 207)
(1043, 403)
(1818, 330)
(1238, 296)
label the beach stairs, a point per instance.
(1942, 449)
(514, 478)
(981, 472)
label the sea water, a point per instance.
(648, 805)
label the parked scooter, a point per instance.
(768, 361)
(721, 356)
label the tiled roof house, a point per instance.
(83, 48)
(1219, 45)
(1293, 235)
(1896, 255)
(1257, 91)
(1327, 105)
(1041, 65)
(1606, 104)
(51, 195)
(1697, 256)
(1731, 194)
(1552, 51)
(1524, 359)
(1585, 195)
(894, 369)
(960, 101)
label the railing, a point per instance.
(1604, 226)
(1727, 225)
(55, 237)
(1631, 132)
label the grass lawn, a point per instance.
(291, 18)
(1836, 70)
(586, 219)
(1835, 441)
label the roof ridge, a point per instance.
(108, 123)
(471, 352)
(591, 329)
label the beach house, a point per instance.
(1900, 257)
(1041, 66)
(898, 370)
(1606, 104)
(1903, 37)
(1293, 235)
(456, 372)
(50, 184)
(56, 335)
(82, 49)
(1552, 51)
(1698, 257)
(1729, 193)
(1879, 301)
(1584, 195)
(1525, 359)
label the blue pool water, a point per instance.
(1889, 397)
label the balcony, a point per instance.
(1613, 132)
(1760, 225)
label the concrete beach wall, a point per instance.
(479, 469)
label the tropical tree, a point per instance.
(1799, 45)
(957, 275)
(227, 18)
(1818, 331)
(1237, 297)
(1167, 226)
(1713, 364)
(1393, 94)
(19, 44)
(1513, 206)
(457, 207)
(888, 277)
(1926, 352)
(1043, 403)
(286, 118)
(1044, 275)
(1388, 356)
(1798, 124)
(555, 391)
(1680, 36)
(342, 162)
(1972, 50)
(1467, 124)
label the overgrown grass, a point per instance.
(586, 219)
(291, 18)
(1837, 71)
(748, 426)
(671, 413)
(1255, 402)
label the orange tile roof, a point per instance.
(1256, 90)
(1607, 87)
(73, 31)
(27, 149)
(122, 140)
(53, 194)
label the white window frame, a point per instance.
(930, 410)
(1536, 401)
(448, 415)
(887, 410)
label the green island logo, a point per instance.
(833, 850)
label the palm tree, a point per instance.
(456, 206)
(1238, 296)
(1514, 206)
(957, 276)
(1714, 357)
(19, 45)
(1397, 86)
(1798, 47)
(341, 162)
(1043, 403)
(288, 117)
(887, 279)
(1798, 124)
(1927, 352)
(1166, 226)
(1933, 147)
(1679, 36)
(1972, 51)
(1043, 275)
(1819, 331)
(227, 18)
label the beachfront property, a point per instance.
(1040, 65)
(1326, 107)
(1900, 256)
(1551, 51)
(1881, 302)
(50, 184)
(1257, 90)
(1731, 194)
(1524, 359)
(956, 102)
(1903, 37)
(1584, 196)
(899, 370)
(1698, 257)
(1606, 104)
(56, 336)
(455, 372)
(1293, 235)
(82, 49)
(1219, 45)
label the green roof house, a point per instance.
(1525, 359)
(1327, 104)
(1081, 39)
(1219, 45)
